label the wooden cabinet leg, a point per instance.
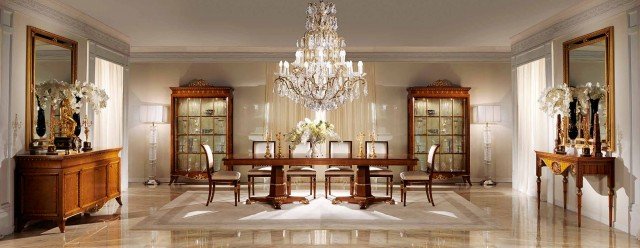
(61, 225)
(538, 181)
(467, 179)
(173, 179)
(119, 200)
(20, 223)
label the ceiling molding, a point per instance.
(605, 9)
(352, 49)
(60, 14)
(204, 57)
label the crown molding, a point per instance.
(204, 57)
(72, 19)
(605, 9)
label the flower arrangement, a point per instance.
(555, 100)
(52, 92)
(316, 131)
(586, 93)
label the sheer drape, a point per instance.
(359, 115)
(108, 129)
(532, 125)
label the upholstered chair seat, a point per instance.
(414, 175)
(220, 177)
(226, 175)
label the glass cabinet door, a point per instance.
(440, 121)
(200, 121)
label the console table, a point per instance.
(277, 188)
(579, 167)
(56, 187)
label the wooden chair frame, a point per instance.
(212, 182)
(312, 178)
(428, 184)
(389, 186)
(327, 178)
(251, 184)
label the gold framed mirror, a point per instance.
(49, 56)
(588, 69)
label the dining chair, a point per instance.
(381, 152)
(304, 171)
(259, 171)
(339, 149)
(423, 176)
(220, 177)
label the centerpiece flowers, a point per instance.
(314, 132)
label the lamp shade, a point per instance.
(486, 114)
(153, 113)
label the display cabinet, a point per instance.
(439, 114)
(200, 114)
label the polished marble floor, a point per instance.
(516, 213)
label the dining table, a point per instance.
(277, 183)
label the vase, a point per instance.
(314, 150)
(573, 120)
(594, 109)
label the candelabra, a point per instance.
(373, 145)
(279, 141)
(586, 150)
(15, 125)
(267, 152)
(360, 139)
(86, 123)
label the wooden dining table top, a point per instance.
(392, 161)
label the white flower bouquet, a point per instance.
(555, 100)
(586, 93)
(52, 92)
(317, 131)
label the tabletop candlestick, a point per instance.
(86, 123)
(559, 149)
(267, 152)
(586, 150)
(597, 142)
(373, 145)
(360, 139)
(279, 141)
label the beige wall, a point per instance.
(150, 82)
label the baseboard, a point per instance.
(142, 180)
(497, 180)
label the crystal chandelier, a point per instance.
(320, 78)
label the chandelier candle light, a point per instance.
(320, 77)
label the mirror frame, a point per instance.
(606, 35)
(34, 34)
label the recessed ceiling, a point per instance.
(367, 25)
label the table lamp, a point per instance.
(487, 114)
(154, 114)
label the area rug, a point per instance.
(452, 212)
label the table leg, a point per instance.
(277, 190)
(362, 195)
(579, 194)
(611, 182)
(538, 174)
(564, 188)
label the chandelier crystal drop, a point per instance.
(320, 78)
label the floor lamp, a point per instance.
(487, 114)
(154, 114)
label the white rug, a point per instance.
(452, 212)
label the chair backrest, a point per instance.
(260, 147)
(300, 150)
(209, 154)
(431, 157)
(382, 150)
(340, 149)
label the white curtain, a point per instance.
(532, 125)
(108, 123)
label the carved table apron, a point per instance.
(578, 166)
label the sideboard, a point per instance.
(56, 187)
